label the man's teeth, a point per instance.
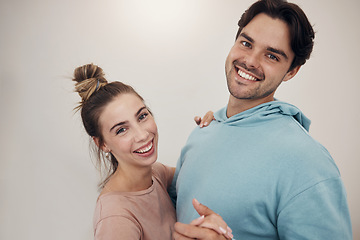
(246, 76)
(146, 149)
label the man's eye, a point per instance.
(246, 44)
(273, 57)
(120, 130)
(143, 116)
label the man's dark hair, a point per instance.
(301, 32)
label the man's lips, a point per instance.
(251, 74)
(247, 76)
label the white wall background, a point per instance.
(173, 53)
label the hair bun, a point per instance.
(89, 78)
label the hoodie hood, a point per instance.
(263, 112)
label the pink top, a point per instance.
(147, 214)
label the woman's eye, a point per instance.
(143, 116)
(120, 130)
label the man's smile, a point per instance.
(246, 76)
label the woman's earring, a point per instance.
(107, 155)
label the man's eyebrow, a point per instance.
(278, 51)
(271, 49)
(122, 123)
(244, 35)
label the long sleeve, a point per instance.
(319, 212)
(117, 227)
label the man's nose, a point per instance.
(252, 60)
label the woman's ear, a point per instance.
(103, 147)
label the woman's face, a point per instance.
(129, 131)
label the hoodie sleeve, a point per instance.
(319, 212)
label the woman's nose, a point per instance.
(141, 134)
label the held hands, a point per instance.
(209, 226)
(205, 121)
(212, 220)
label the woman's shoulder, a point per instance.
(112, 203)
(163, 173)
(113, 217)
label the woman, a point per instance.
(133, 203)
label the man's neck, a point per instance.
(236, 106)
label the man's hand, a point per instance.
(187, 231)
(209, 226)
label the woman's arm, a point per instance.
(117, 227)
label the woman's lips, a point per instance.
(145, 149)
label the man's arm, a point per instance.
(319, 212)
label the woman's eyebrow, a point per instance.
(118, 124)
(122, 123)
(138, 112)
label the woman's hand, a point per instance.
(205, 121)
(208, 226)
(209, 219)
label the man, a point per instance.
(256, 165)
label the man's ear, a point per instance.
(290, 74)
(103, 147)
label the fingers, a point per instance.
(201, 122)
(186, 231)
(179, 236)
(209, 116)
(198, 221)
(209, 219)
(205, 121)
(197, 120)
(218, 225)
(201, 209)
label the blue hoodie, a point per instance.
(265, 175)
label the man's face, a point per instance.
(260, 59)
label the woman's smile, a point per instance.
(147, 150)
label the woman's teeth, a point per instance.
(246, 76)
(145, 149)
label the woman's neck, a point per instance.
(129, 180)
